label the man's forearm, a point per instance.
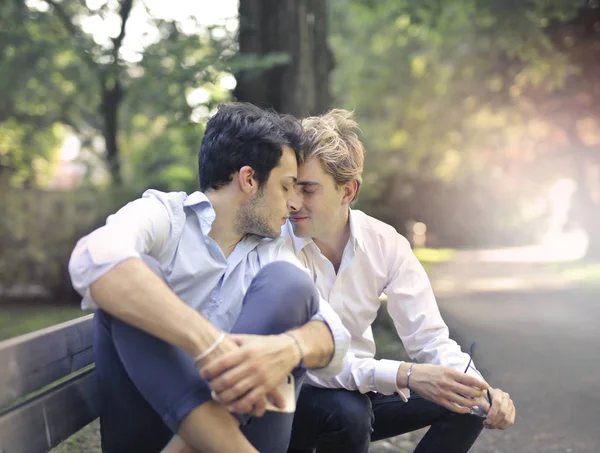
(317, 343)
(134, 294)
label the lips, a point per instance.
(298, 219)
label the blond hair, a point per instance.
(333, 140)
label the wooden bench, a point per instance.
(47, 386)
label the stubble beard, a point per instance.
(250, 219)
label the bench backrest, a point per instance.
(47, 386)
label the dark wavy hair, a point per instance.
(242, 134)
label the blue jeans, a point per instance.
(148, 387)
(335, 420)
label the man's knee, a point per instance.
(291, 285)
(344, 417)
(353, 415)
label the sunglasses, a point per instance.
(477, 410)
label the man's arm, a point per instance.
(134, 294)
(441, 374)
(268, 359)
(316, 344)
(322, 344)
(415, 313)
(106, 268)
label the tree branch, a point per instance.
(118, 41)
(74, 32)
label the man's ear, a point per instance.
(350, 189)
(248, 184)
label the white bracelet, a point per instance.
(210, 349)
(398, 389)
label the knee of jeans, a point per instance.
(287, 279)
(350, 411)
(354, 417)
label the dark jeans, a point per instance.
(333, 420)
(148, 387)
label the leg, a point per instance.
(331, 420)
(150, 390)
(264, 312)
(449, 432)
(127, 421)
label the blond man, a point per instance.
(353, 259)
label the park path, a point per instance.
(538, 337)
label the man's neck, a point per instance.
(333, 244)
(223, 227)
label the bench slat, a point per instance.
(32, 361)
(40, 424)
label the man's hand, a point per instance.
(502, 413)
(227, 346)
(244, 377)
(451, 389)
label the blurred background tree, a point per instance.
(472, 111)
(296, 32)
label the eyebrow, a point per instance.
(307, 183)
(293, 178)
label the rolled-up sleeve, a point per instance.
(141, 227)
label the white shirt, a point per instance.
(378, 260)
(173, 228)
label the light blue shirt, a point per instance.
(173, 228)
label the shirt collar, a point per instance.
(203, 209)
(196, 198)
(356, 236)
(356, 233)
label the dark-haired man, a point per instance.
(174, 275)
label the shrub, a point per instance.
(38, 230)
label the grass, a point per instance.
(86, 440)
(433, 256)
(22, 318)
(581, 273)
(587, 275)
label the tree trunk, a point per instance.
(297, 28)
(112, 95)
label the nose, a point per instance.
(294, 203)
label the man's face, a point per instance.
(322, 207)
(265, 212)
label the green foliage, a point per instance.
(40, 78)
(456, 95)
(60, 69)
(39, 229)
